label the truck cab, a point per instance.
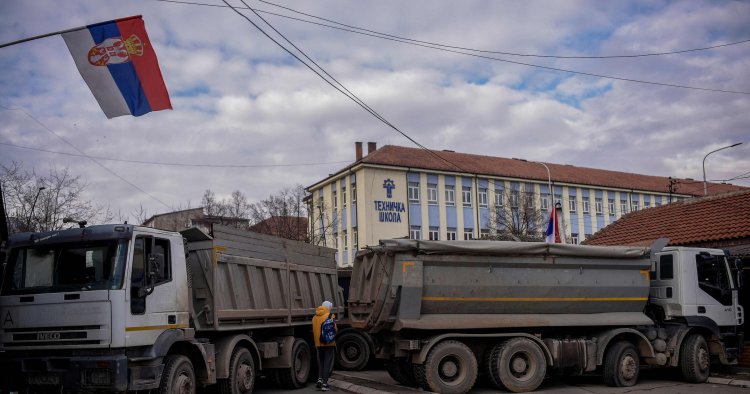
(85, 300)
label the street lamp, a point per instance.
(705, 188)
(31, 213)
(549, 183)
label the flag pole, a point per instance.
(63, 32)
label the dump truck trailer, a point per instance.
(122, 307)
(444, 312)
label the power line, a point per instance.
(175, 164)
(374, 33)
(343, 90)
(449, 49)
(84, 154)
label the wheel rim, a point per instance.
(244, 377)
(299, 365)
(520, 367)
(351, 352)
(628, 367)
(450, 370)
(183, 384)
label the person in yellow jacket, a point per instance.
(326, 351)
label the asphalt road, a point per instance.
(656, 381)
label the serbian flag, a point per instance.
(118, 63)
(553, 232)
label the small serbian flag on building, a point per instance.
(118, 63)
(553, 232)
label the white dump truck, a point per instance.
(122, 307)
(444, 312)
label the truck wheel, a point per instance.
(296, 376)
(352, 351)
(401, 371)
(419, 377)
(517, 365)
(695, 361)
(621, 365)
(241, 373)
(178, 376)
(450, 368)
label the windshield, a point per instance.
(77, 266)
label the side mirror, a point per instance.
(152, 272)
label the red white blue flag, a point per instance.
(118, 63)
(553, 231)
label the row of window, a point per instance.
(345, 239)
(482, 196)
(335, 200)
(415, 232)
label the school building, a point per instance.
(397, 192)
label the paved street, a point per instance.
(651, 382)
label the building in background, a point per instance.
(400, 192)
(194, 217)
(289, 227)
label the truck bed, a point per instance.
(246, 280)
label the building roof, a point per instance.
(450, 161)
(692, 221)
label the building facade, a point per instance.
(399, 192)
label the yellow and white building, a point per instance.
(397, 192)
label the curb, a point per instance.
(729, 382)
(354, 388)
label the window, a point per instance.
(666, 267)
(451, 235)
(599, 207)
(468, 234)
(343, 196)
(657, 203)
(354, 193)
(713, 277)
(466, 196)
(558, 200)
(415, 233)
(413, 192)
(450, 195)
(623, 207)
(335, 240)
(646, 204)
(345, 240)
(514, 199)
(574, 239)
(545, 203)
(156, 250)
(572, 203)
(611, 207)
(335, 200)
(432, 194)
(482, 197)
(355, 239)
(484, 233)
(434, 234)
(586, 207)
(498, 198)
(635, 206)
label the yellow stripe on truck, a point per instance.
(533, 299)
(149, 328)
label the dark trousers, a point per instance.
(326, 355)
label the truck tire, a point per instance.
(621, 365)
(296, 376)
(450, 368)
(419, 377)
(242, 373)
(352, 351)
(178, 376)
(517, 365)
(695, 360)
(401, 371)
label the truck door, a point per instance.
(715, 298)
(152, 300)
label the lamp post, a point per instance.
(31, 213)
(705, 188)
(549, 183)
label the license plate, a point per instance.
(44, 379)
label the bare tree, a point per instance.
(212, 206)
(517, 219)
(237, 205)
(39, 203)
(284, 214)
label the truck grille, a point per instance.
(51, 336)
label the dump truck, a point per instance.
(122, 307)
(446, 311)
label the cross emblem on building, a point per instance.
(389, 185)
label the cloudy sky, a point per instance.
(241, 100)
